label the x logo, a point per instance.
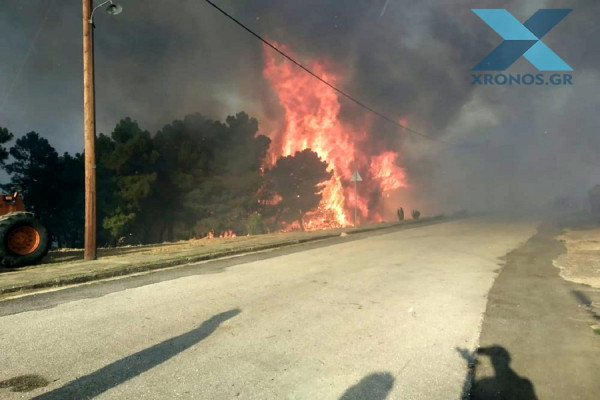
(522, 40)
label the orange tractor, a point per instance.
(23, 238)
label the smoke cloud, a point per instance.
(525, 145)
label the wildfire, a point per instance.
(312, 121)
(383, 167)
(224, 235)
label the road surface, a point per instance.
(375, 316)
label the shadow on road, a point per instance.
(505, 385)
(120, 371)
(376, 386)
(586, 303)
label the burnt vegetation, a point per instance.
(194, 177)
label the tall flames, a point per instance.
(311, 120)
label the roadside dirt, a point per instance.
(581, 262)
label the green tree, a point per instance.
(70, 220)
(231, 189)
(208, 175)
(33, 170)
(299, 181)
(106, 200)
(128, 161)
(52, 186)
(194, 177)
(5, 137)
(186, 153)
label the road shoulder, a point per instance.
(536, 339)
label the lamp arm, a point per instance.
(95, 8)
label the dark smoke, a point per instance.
(161, 60)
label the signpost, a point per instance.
(355, 178)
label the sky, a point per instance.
(158, 61)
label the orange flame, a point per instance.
(311, 111)
(224, 235)
(384, 168)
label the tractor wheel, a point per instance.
(23, 240)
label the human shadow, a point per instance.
(375, 386)
(122, 370)
(506, 383)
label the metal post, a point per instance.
(355, 199)
(355, 178)
(89, 126)
(488, 202)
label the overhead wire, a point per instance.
(322, 80)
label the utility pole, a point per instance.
(89, 122)
(89, 132)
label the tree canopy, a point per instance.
(5, 137)
(298, 180)
(194, 177)
(51, 185)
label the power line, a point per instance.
(346, 95)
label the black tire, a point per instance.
(15, 220)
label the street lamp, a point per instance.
(112, 9)
(89, 122)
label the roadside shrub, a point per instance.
(209, 226)
(255, 224)
(416, 214)
(400, 214)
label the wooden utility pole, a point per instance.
(89, 129)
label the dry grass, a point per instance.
(206, 245)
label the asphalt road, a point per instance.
(379, 316)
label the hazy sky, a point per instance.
(159, 60)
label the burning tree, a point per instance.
(311, 120)
(297, 182)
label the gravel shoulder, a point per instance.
(537, 339)
(581, 261)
